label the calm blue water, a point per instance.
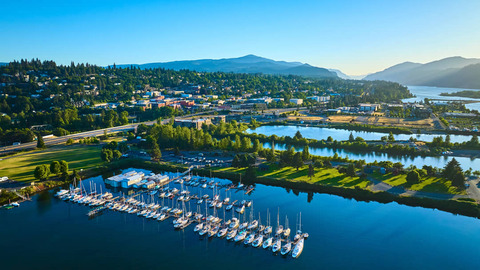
(438, 162)
(320, 133)
(344, 234)
(422, 92)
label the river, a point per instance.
(422, 92)
(48, 233)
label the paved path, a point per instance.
(473, 191)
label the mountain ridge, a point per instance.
(245, 64)
(447, 72)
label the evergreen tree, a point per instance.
(63, 166)
(311, 171)
(351, 138)
(40, 142)
(305, 153)
(297, 161)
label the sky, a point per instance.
(357, 37)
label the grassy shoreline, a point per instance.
(351, 188)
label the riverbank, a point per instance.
(348, 187)
(354, 189)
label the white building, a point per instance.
(297, 101)
(125, 180)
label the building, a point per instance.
(125, 180)
(323, 99)
(193, 123)
(218, 119)
(296, 101)
(367, 107)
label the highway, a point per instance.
(76, 136)
(99, 132)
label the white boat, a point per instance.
(268, 230)
(286, 248)
(241, 236)
(204, 230)
(297, 250)
(222, 232)
(162, 217)
(219, 205)
(213, 231)
(253, 225)
(277, 245)
(234, 223)
(198, 227)
(267, 243)
(258, 241)
(240, 210)
(231, 235)
(249, 239)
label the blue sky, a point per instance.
(356, 37)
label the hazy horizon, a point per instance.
(355, 37)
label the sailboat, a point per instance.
(279, 229)
(286, 232)
(297, 250)
(267, 243)
(286, 248)
(277, 245)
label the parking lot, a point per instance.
(195, 158)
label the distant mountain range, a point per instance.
(246, 64)
(454, 72)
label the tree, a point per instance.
(41, 172)
(156, 153)
(413, 177)
(297, 160)
(69, 141)
(391, 138)
(257, 147)
(298, 135)
(106, 155)
(305, 153)
(55, 167)
(116, 154)
(451, 169)
(351, 170)
(63, 166)
(351, 138)
(40, 142)
(251, 173)
(311, 171)
(123, 147)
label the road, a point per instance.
(81, 135)
(63, 139)
(472, 190)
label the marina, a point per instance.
(161, 201)
(343, 233)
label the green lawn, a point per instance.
(20, 167)
(323, 176)
(427, 184)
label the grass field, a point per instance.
(427, 184)
(20, 167)
(323, 176)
